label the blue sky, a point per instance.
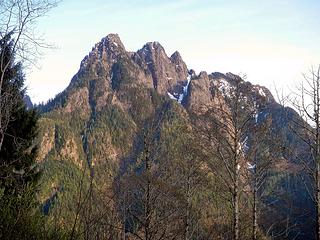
(271, 41)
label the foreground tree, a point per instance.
(307, 103)
(227, 134)
(18, 21)
(157, 198)
(18, 151)
(227, 140)
(182, 159)
(18, 172)
(151, 202)
(259, 164)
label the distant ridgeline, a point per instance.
(131, 147)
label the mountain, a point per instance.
(94, 134)
(27, 101)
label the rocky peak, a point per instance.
(203, 75)
(176, 58)
(180, 65)
(111, 42)
(113, 39)
(149, 63)
(151, 52)
(168, 74)
(95, 71)
(108, 50)
(155, 47)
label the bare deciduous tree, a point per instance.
(226, 132)
(227, 135)
(306, 101)
(182, 160)
(259, 164)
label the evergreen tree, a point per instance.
(18, 174)
(18, 152)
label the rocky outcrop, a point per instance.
(199, 98)
(168, 74)
(79, 102)
(70, 151)
(46, 138)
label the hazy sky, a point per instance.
(271, 41)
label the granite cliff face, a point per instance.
(96, 122)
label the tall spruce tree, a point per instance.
(17, 156)
(18, 174)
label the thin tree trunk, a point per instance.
(236, 207)
(236, 198)
(236, 169)
(187, 227)
(317, 156)
(147, 225)
(255, 214)
(147, 197)
(318, 199)
(124, 217)
(1, 132)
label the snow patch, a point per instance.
(245, 145)
(184, 93)
(185, 89)
(251, 166)
(239, 148)
(224, 87)
(262, 93)
(256, 117)
(171, 96)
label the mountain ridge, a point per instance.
(157, 70)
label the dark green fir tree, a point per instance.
(18, 171)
